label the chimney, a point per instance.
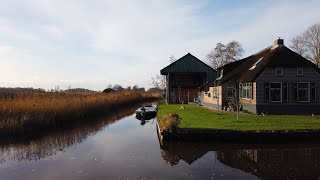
(278, 42)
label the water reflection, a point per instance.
(35, 148)
(145, 118)
(297, 163)
(281, 161)
(110, 148)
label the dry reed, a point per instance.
(25, 112)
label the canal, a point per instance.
(120, 147)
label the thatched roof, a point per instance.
(250, 68)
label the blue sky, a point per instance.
(90, 44)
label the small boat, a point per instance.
(147, 110)
(145, 117)
(146, 113)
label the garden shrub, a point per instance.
(170, 122)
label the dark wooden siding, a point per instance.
(190, 64)
(289, 76)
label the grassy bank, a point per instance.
(25, 112)
(195, 117)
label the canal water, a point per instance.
(121, 147)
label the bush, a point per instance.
(170, 122)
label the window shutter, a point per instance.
(295, 91)
(313, 91)
(267, 92)
(285, 91)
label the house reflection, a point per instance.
(54, 141)
(293, 163)
(290, 161)
(173, 152)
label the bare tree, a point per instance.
(307, 44)
(223, 54)
(109, 86)
(135, 88)
(172, 59)
(159, 82)
(118, 87)
(128, 88)
(57, 88)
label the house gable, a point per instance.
(190, 64)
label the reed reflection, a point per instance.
(54, 141)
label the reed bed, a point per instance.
(22, 113)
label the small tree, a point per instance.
(118, 87)
(128, 88)
(172, 59)
(233, 98)
(135, 88)
(159, 82)
(57, 88)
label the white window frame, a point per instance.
(279, 68)
(299, 68)
(309, 93)
(270, 91)
(246, 85)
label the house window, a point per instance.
(209, 95)
(215, 93)
(279, 71)
(246, 90)
(313, 92)
(299, 71)
(285, 92)
(304, 92)
(276, 92)
(230, 92)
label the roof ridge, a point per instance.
(269, 47)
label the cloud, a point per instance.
(95, 43)
(53, 31)
(9, 30)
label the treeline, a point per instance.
(136, 88)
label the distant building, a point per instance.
(184, 78)
(275, 80)
(109, 90)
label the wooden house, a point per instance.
(184, 77)
(275, 80)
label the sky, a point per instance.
(93, 43)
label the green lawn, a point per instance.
(196, 117)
